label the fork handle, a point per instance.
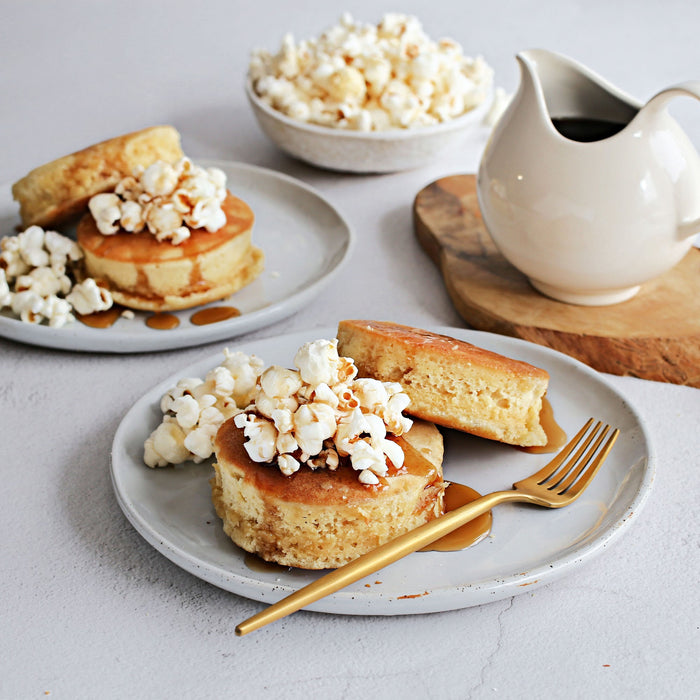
(376, 559)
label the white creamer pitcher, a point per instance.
(585, 190)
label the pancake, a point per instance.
(450, 382)
(144, 273)
(58, 191)
(318, 519)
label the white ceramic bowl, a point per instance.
(364, 152)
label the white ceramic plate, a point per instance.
(304, 238)
(528, 546)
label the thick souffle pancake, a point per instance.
(318, 519)
(451, 382)
(144, 273)
(57, 191)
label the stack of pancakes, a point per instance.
(323, 518)
(140, 271)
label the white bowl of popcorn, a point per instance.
(369, 98)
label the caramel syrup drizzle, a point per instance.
(162, 321)
(214, 314)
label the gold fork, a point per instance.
(557, 484)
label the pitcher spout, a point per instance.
(564, 87)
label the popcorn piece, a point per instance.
(200, 442)
(57, 311)
(105, 209)
(165, 200)
(371, 78)
(5, 292)
(28, 306)
(43, 281)
(165, 445)
(31, 307)
(87, 297)
(368, 477)
(287, 464)
(62, 251)
(245, 371)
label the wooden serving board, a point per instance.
(655, 335)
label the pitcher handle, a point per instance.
(690, 88)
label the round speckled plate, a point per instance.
(528, 546)
(305, 241)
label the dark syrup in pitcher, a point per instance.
(586, 130)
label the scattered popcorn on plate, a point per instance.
(313, 415)
(366, 77)
(36, 281)
(194, 409)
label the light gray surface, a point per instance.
(87, 607)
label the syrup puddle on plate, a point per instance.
(457, 495)
(161, 321)
(214, 314)
(101, 319)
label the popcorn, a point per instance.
(105, 209)
(194, 409)
(57, 311)
(35, 281)
(87, 297)
(165, 200)
(166, 445)
(28, 306)
(312, 415)
(31, 307)
(5, 293)
(371, 78)
(43, 281)
(318, 413)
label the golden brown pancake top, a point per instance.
(144, 247)
(321, 486)
(451, 348)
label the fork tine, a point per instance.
(581, 483)
(579, 463)
(559, 474)
(551, 467)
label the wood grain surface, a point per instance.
(655, 335)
